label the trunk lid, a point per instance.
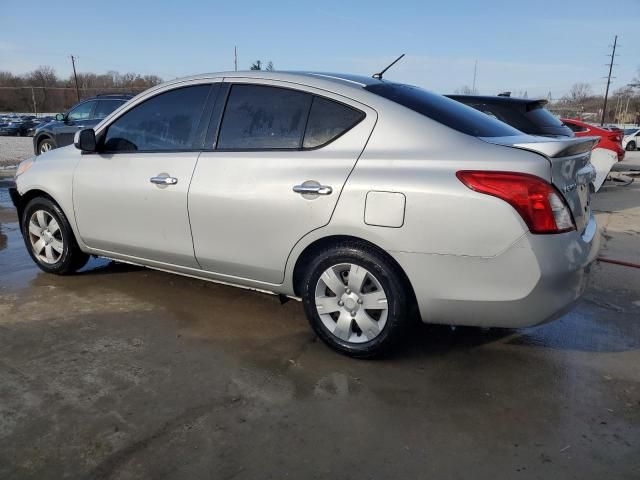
(571, 170)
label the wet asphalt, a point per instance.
(121, 372)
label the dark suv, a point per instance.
(85, 114)
(527, 115)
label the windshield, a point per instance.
(443, 110)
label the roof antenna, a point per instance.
(379, 75)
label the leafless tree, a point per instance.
(579, 92)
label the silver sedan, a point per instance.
(369, 200)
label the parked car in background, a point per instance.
(367, 199)
(17, 126)
(527, 115)
(606, 152)
(85, 114)
(609, 139)
(631, 139)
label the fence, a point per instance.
(36, 100)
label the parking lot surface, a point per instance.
(122, 372)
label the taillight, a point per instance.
(537, 201)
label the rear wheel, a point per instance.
(49, 238)
(45, 145)
(356, 300)
(631, 146)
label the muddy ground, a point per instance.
(121, 372)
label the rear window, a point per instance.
(443, 110)
(576, 128)
(531, 118)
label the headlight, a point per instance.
(24, 166)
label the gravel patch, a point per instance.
(14, 149)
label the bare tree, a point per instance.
(579, 92)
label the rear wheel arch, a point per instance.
(311, 250)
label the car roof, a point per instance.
(339, 82)
(111, 96)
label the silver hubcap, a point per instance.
(45, 147)
(351, 303)
(46, 237)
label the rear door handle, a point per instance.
(313, 189)
(164, 180)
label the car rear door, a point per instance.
(273, 172)
(130, 198)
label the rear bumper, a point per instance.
(535, 280)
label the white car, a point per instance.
(631, 139)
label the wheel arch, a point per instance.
(22, 200)
(307, 254)
(42, 136)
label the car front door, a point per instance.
(74, 120)
(272, 173)
(130, 197)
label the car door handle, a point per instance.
(313, 189)
(162, 180)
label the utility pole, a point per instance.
(35, 107)
(235, 58)
(475, 73)
(606, 94)
(75, 76)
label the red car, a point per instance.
(611, 140)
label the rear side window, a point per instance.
(444, 110)
(105, 107)
(327, 121)
(167, 121)
(259, 117)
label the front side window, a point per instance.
(165, 122)
(261, 117)
(105, 107)
(81, 112)
(328, 120)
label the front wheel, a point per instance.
(631, 146)
(356, 300)
(49, 238)
(45, 145)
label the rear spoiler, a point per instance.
(549, 147)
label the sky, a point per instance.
(534, 46)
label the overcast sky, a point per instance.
(534, 46)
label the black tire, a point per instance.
(72, 258)
(631, 146)
(45, 141)
(399, 299)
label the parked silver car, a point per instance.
(364, 198)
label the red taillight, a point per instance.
(537, 201)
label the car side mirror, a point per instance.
(85, 140)
(60, 117)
